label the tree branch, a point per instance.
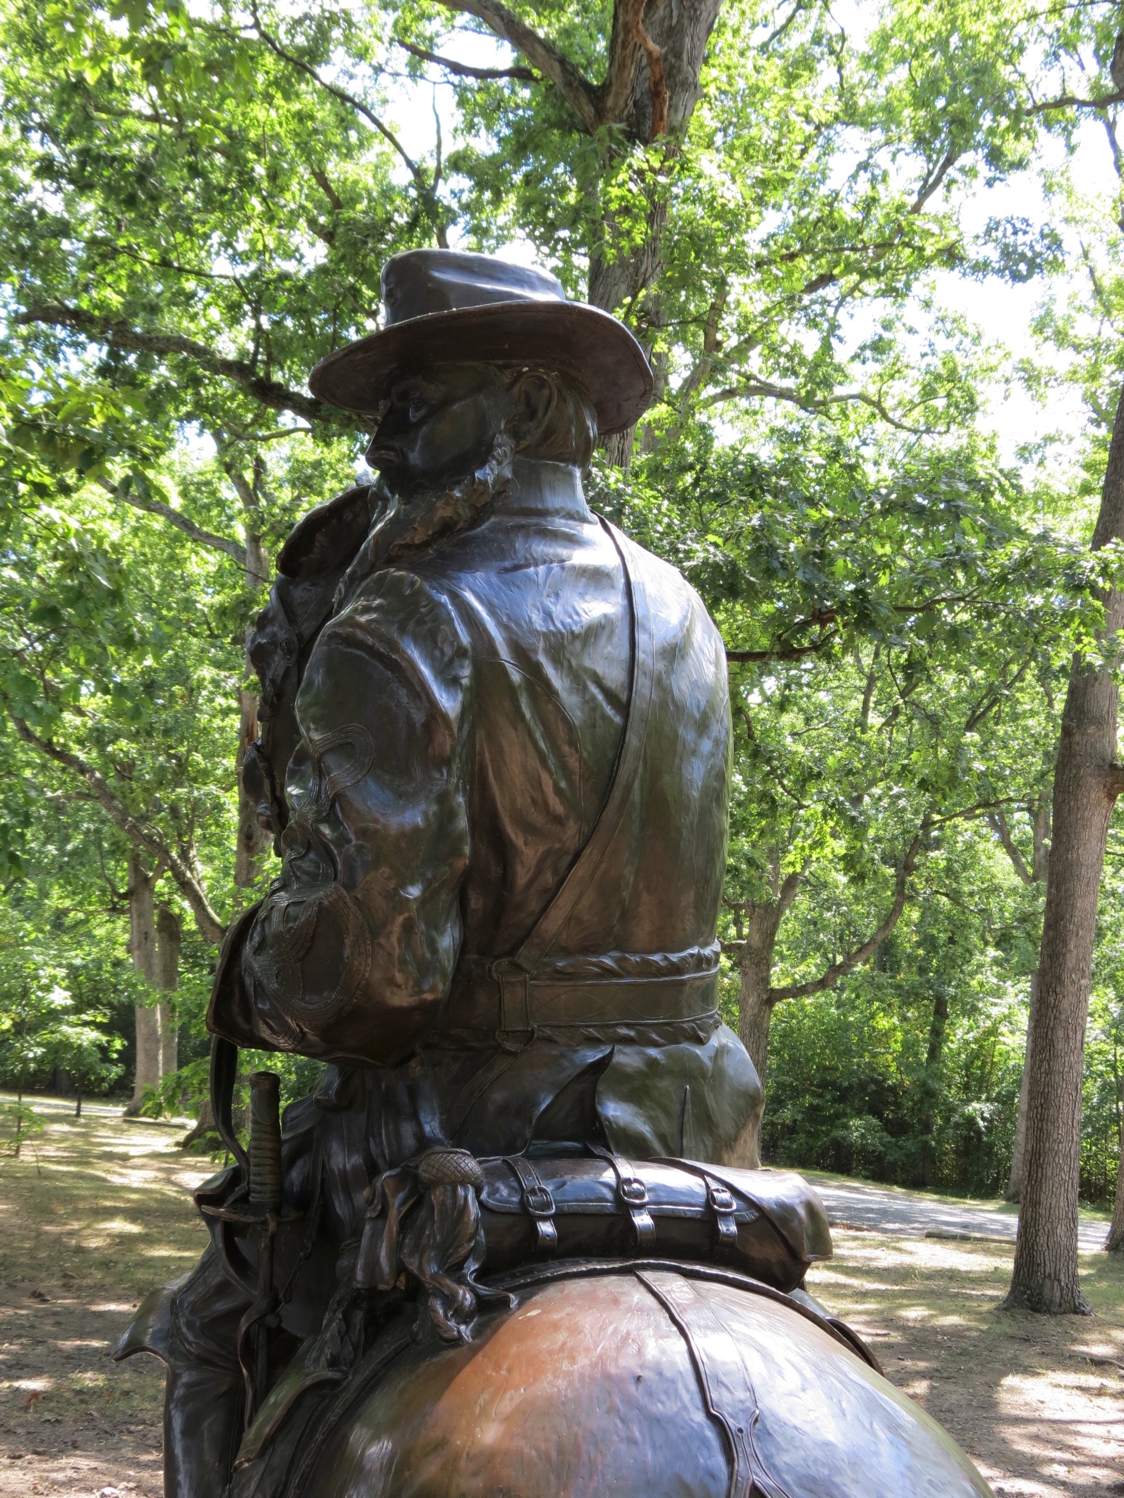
(754, 386)
(181, 522)
(998, 823)
(841, 968)
(462, 69)
(628, 40)
(325, 186)
(782, 653)
(571, 83)
(342, 95)
(117, 334)
(1070, 101)
(140, 833)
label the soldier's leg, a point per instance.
(204, 1397)
(192, 1326)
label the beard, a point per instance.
(404, 526)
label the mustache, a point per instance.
(403, 526)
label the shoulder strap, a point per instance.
(224, 1072)
(551, 920)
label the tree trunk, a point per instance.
(169, 933)
(937, 1026)
(1086, 784)
(659, 102)
(142, 949)
(755, 1012)
(252, 841)
(204, 1128)
(1018, 1153)
(1114, 1243)
(755, 969)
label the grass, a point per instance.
(1037, 1402)
(93, 1215)
(97, 1211)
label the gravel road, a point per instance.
(856, 1204)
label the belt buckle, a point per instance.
(515, 1031)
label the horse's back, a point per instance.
(648, 1383)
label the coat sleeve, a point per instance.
(350, 955)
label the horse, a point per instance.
(640, 1378)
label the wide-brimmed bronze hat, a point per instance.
(443, 307)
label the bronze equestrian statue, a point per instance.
(516, 1243)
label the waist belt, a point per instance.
(501, 995)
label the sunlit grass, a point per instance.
(1038, 1402)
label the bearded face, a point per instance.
(440, 428)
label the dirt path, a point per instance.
(93, 1215)
(1037, 1402)
(99, 1212)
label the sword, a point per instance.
(265, 1207)
(258, 1212)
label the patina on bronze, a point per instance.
(520, 1244)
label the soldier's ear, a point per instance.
(533, 397)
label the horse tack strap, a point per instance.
(632, 1194)
(513, 973)
(724, 1380)
(720, 1200)
(538, 1203)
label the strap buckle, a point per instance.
(538, 1203)
(724, 1206)
(632, 1191)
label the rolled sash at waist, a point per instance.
(581, 991)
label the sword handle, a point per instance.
(265, 1194)
(265, 1140)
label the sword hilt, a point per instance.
(265, 1140)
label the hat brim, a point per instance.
(591, 346)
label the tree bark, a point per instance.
(252, 841)
(142, 950)
(1018, 1152)
(755, 968)
(1032, 874)
(1086, 784)
(169, 933)
(1114, 1243)
(759, 922)
(937, 1027)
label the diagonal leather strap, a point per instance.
(724, 1380)
(511, 971)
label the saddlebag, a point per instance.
(446, 1218)
(765, 1223)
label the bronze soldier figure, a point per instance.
(494, 758)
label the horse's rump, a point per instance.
(640, 1379)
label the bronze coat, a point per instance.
(453, 742)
